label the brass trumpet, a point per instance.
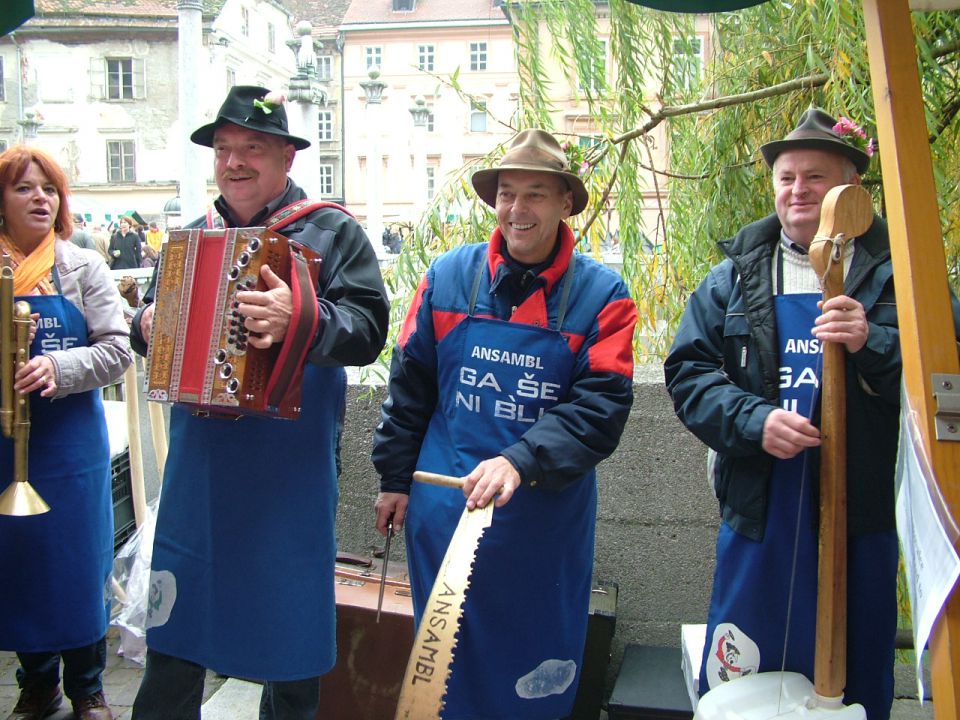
(19, 498)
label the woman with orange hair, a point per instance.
(55, 565)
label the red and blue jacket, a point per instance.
(574, 435)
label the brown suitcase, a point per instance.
(371, 657)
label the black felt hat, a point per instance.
(815, 132)
(245, 107)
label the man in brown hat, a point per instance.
(243, 560)
(513, 371)
(743, 373)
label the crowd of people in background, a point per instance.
(124, 244)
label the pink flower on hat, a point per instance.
(854, 135)
(270, 102)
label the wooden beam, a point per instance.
(919, 264)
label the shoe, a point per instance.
(36, 703)
(92, 707)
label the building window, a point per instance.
(478, 56)
(326, 125)
(478, 116)
(271, 38)
(121, 165)
(425, 57)
(326, 179)
(598, 79)
(231, 77)
(325, 67)
(431, 182)
(430, 121)
(404, 5)
(124, 79)
(687, 61)
(3, 92)
(374, 57)
(244, 22)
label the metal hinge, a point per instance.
(946, 391)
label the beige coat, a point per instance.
(87, 283)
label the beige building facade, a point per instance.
(94, 83)
(416, 50)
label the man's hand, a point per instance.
(490, 477)
(267, 313)
(786, 433)
(843, 320)
(146, 323)
(391, 505)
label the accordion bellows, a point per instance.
(199, 353)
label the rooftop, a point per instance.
(374, 12)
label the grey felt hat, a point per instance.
(815, 132)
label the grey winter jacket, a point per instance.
(86, 282)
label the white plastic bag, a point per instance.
(130, 585)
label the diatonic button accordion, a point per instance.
(199, 353)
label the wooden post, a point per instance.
(919, 262)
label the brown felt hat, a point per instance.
(538, 151)
(815, 132)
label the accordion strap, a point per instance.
(294, 211)
(305, 318)
(304, 321)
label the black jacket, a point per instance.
(128, 246)
(722, 373)
(354, 311)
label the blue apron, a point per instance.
(242, 571)
(747, 622)
(748, 612)
(55, 566)
(524, 620)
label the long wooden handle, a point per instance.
(846, 212)
(437, 479)
(137, 489)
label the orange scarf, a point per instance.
(31, 273)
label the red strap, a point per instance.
(304, 321)
(295, 211)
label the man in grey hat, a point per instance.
(743, 373)
(243, 560)
(513, 371)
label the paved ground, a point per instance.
(121, 680)
(237, 700)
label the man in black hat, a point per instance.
(243, 560)
(743, 373)
(514, 371)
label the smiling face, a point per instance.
(124, 226)
(251, 168)
(801, 179)
(30, 206)
(530, 207)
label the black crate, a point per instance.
(650, 686)
(601, 624)
(124, 520)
